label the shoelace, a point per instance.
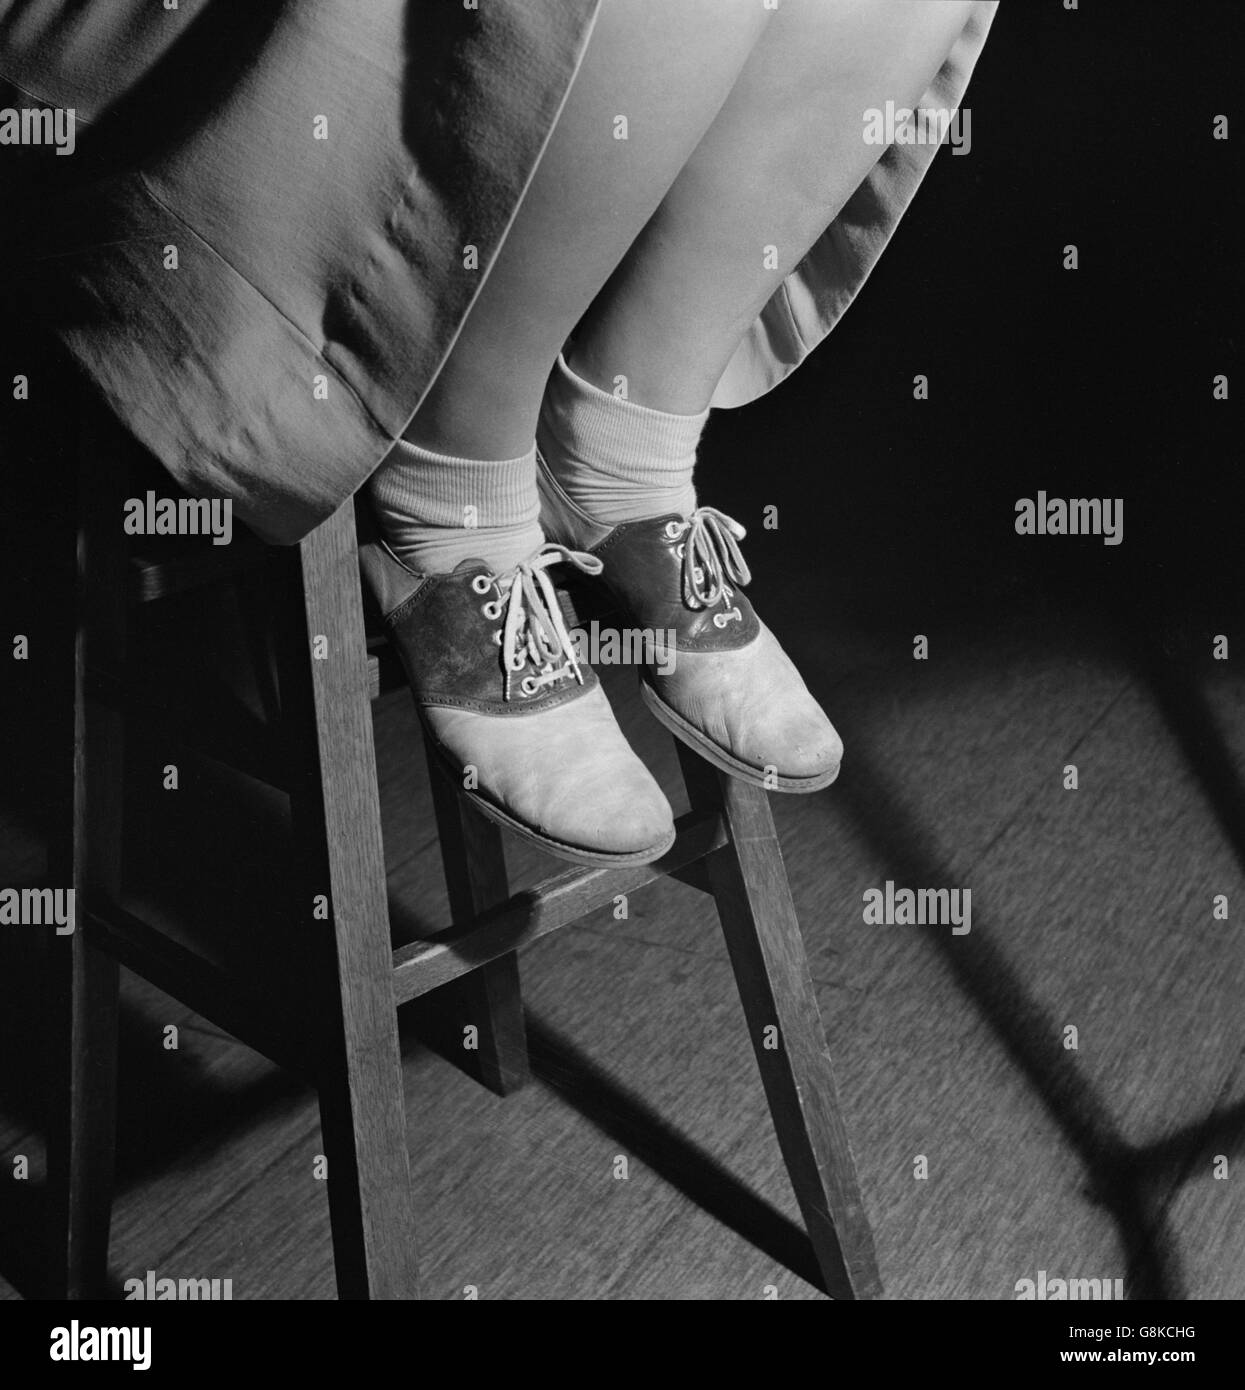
(535, 629)
(711, 556)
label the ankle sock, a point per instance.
(435, 510)
(617, 460)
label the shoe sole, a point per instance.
(599, 859)
(719, 757)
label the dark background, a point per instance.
(896, 517)
(1090, 127)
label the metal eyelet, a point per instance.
(482, 583)
(674, 529)
(497, 637)
(527, 685)
(680, 550)
(492, 611)
(518, 661)
(720, 620)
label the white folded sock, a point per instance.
(617, 460)
(435, 510)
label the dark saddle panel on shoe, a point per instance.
(644, 568)
(451, 649)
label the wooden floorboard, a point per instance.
(1206, 1213)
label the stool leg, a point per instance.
(82, 1031)
(83, 983)
(490, 998)
(254, 614)
(327, 712)
(771, 969)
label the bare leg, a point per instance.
(563, 775)
(782, 156)
(665, 65)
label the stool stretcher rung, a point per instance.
(248, 746)
(203, 987)
(150, 580)
(384, 672)
(535, 912)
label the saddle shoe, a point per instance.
(727, 689)
(516, 720)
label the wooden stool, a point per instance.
(726, 847)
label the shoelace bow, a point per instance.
(535, 629)
(711, 557)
